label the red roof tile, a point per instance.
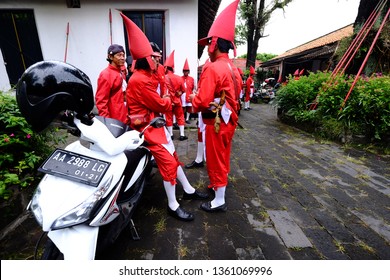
(241, 62)
(238, 62)
(321, 41)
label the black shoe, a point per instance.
(206, 206)
(246, 109)
(188, 122)
(181, 214)
(194, 164)
(172, 137)
(211, 191)
(182, 138)
(197, 195)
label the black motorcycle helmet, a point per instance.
(47, 88)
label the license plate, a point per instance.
(75, 167)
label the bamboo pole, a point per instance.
(67, 40)
(366, 58)
(110, 19)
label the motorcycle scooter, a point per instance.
(88, 195)
(268, 90)
(92, 187)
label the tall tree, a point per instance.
(255, 14)
(366, 7)
(380, 56)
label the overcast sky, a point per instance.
(302, 21)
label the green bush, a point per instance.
(296, 97)
(365, 113)
(21, 150)
(370, 108)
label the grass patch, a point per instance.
(160, 226)
(182, 251)
(367, 248)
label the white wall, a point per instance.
(89, 35)
(4, 81)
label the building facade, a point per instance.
(313, 56)
(80, 31)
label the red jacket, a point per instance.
(189, 86)
(160, 79)
(109, 95)
(215, 78)
(142, 98)
(175, 86)
(249, 88)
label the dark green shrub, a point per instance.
(294, 99)
(370, 108)
(21, 150)
(366, 112)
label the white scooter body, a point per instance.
(59, 195)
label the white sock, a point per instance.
(170, 190)
(181, 128)
(184, 181)
(199, 153)
(170, 129)
(204, 146)
(219, 198)
(187, 116)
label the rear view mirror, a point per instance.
(158, 122)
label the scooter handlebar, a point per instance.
(100, 136)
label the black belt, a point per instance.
(209, 115)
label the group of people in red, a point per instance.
(112, 83)
(155, 90)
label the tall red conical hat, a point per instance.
(138, 42)
(251, 70)
(170, 61)
(223, 27)
(186, 67)
(296, 73)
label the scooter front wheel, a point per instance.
(50, 251)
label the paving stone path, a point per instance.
(289, 197)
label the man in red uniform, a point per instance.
(111, 86)
(217, 99)
(189, 85)
(249, 89)
(242, 92)
(175, 87)
(142, 98)
(160, 72)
